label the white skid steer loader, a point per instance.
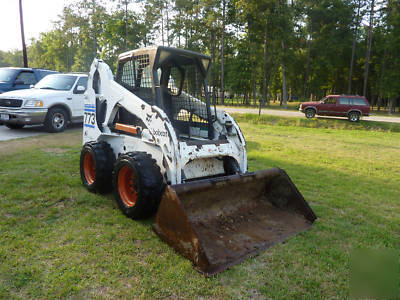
(151, 135)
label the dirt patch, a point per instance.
(49, 142)
(9, 216)
(54, 150)
(61, 203)
(138, 242)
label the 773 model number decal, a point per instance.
(89, 118)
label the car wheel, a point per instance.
(15, 126)
(56, 120)
(310, 113)
(354, 116)
(138, 184)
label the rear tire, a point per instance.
(138, 184)
(15, 126)
(310, 113)
(231, 166)
(96, 164)
(56, 120)
(354, 116)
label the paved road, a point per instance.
(292, 113)
(10, 134)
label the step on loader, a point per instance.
(151, 135)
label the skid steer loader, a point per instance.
(151, 135)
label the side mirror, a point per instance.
(80, 89)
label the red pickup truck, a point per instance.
(352, 107)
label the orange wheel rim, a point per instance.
(125, 186)
(89, 168)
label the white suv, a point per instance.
(54, 101)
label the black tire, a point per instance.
(231, 166)
(96, 164)
(56, 120)
(15, 126)
(138, 184)
(310, 113)
(354, 116)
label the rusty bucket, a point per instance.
(219, 222)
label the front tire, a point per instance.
(96, 164)
(354, 116)
(138, 184)
(231, 166)
(56, 120)
(310, 113)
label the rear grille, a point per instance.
(11, 102)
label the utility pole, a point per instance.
(21, 21)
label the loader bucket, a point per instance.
(219, 222)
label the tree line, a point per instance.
(260, 49)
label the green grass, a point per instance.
(57, 240)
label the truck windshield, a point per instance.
(7, 74)
(57, 82)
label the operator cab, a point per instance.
(174, 80)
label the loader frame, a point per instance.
(130, 112)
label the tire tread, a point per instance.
(104, 161)
(150, 181)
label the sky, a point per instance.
(38, 17)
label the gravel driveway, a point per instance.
(7, 134)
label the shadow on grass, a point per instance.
(340, 199)
(333, 187)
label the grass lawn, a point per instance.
(58, 240)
